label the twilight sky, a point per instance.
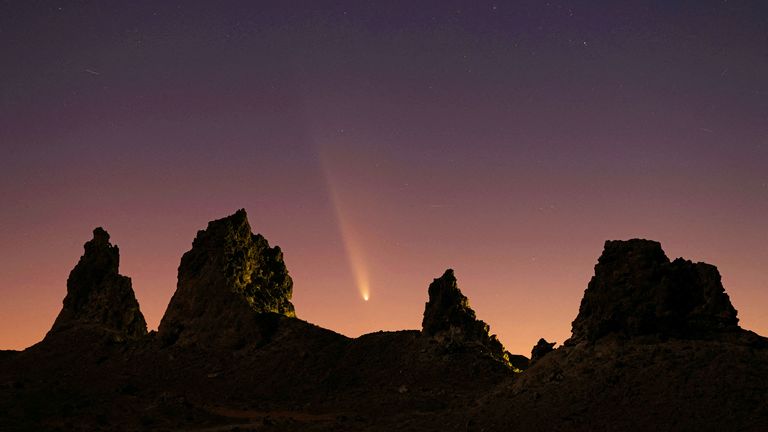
(379, 143)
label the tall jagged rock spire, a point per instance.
(97, 295)
(228, 277)
(450, 320)
(636, 290)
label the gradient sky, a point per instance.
(382, 142)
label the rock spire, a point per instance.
(98, 296)
(228, 278)
(450, 320)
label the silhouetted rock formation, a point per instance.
(450, 321)
(228, 278)
(98, 296)
(518, 361)
(636, 290)
(287, 374)
(541, 349)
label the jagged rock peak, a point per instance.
(450, 320)
(636, 290)
(97, 295)
(251, 267)
(228, 276)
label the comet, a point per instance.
(350, 238)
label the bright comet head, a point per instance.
(351, 241)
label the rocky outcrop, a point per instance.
(98, 296)
(541, 349)
(450, 320)
(636, 290)
(452, 375)
(228, 278)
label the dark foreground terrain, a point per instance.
(655, 346)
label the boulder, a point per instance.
(541, 349)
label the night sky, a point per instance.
(379, 143)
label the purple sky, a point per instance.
(384, 141)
